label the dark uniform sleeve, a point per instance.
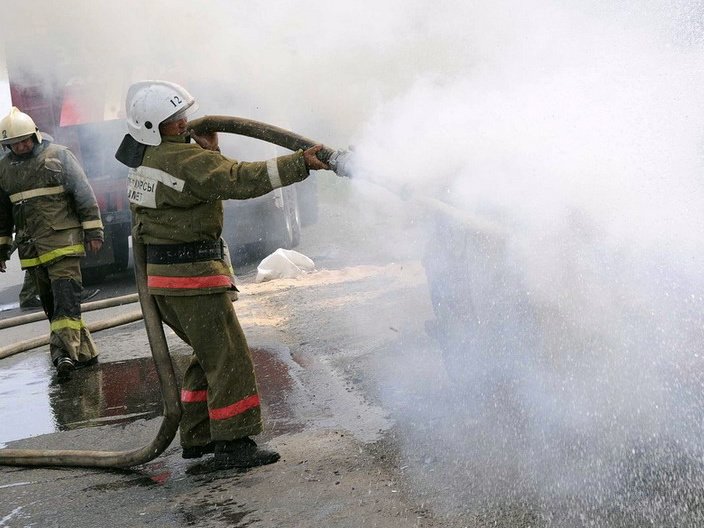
(83, 197)
(7, 226)
(212, 176)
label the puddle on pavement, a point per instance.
(115, 393)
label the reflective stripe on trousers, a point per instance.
(44, 258)
(221, 413)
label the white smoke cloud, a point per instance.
(579, 127)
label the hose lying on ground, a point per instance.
(87, 307)
(169, 392)
(97, 326)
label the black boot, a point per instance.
(198, 451)
(243, 453)
(64, 367)
(31, 303)
(89, 363)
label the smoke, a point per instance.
(578, 130)
(576, 126)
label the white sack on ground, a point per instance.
(283, 264)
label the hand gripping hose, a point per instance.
(337, 159)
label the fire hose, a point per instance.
(338, 161)
(155, 331)
(104, 324)
(86, 307)
(169, 392)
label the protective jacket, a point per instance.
(46, 198)
(176, 200)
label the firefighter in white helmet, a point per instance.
(176, 190)
(46, 199)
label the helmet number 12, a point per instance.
(176, 101)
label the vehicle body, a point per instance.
(259, 226)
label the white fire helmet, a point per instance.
(17, 126)
(150, 103)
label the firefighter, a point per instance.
(176, 190)
(46, 198)
(29, 297)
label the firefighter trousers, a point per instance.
(219, 395)
(59, 287)
(28, 293)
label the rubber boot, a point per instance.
(198, 451)
(243, 453)
(64, 367)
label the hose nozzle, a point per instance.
(340, 163)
